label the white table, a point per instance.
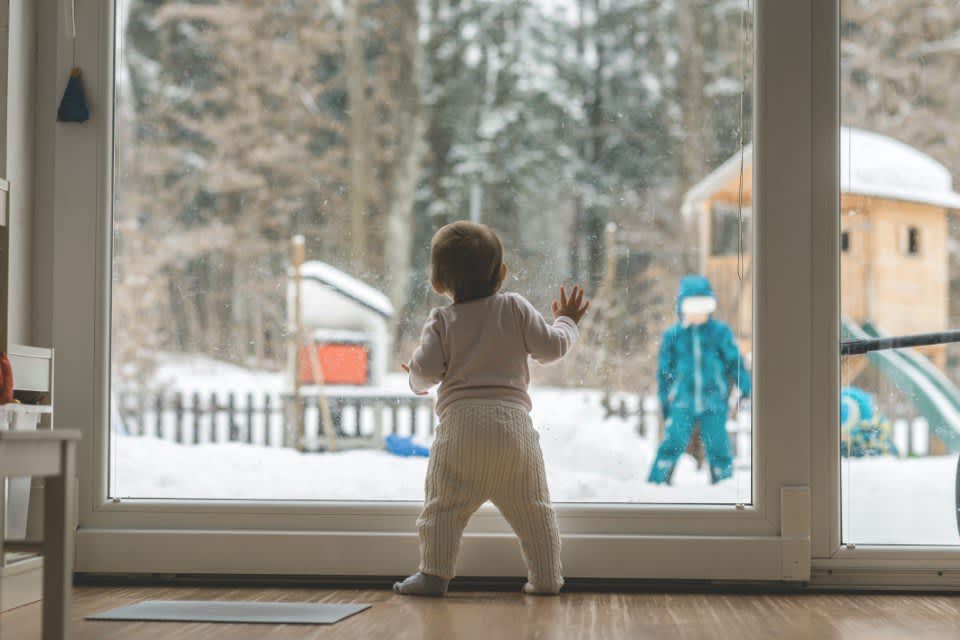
(51, 454)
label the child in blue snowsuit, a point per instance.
(699, 361)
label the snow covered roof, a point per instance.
(347, 286)
(881, 167)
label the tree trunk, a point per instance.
(595, 109)
(406, 166)
(691, 83)
(356, 94)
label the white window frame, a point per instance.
(796, 362)
(833, 563)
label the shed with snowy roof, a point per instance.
(894, 205)
(348, 322)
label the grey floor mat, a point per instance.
(236, 612)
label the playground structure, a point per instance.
(894, 204)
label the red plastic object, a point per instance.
(339, 363)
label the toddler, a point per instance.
(486, 447)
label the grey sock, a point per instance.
(422, 584)
(529, 589)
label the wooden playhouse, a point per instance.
(894, 207)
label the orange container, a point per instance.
(339, 364)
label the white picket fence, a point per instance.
(650, 423)
(911, 436)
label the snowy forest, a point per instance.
(365, 125)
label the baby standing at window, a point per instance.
(486, 447)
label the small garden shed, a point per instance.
(347, 322)
(893, 236)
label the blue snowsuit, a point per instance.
(698, 364)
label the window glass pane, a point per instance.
(601, 140)
(900, 274)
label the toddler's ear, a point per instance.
(503, 272)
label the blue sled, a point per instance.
(404, 446)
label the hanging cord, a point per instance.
(742, 62)
(744, 52)
(70, 12)
(849, 161)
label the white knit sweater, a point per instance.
(479, 349)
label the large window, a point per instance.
(601, 140)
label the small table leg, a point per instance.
(58, 547)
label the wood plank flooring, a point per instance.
(492, 616)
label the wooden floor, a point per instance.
(492, 616)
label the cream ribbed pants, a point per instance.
(488, 450)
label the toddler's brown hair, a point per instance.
(466, 260)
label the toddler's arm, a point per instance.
(429, 363)
(545, 342)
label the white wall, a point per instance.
(20, 158)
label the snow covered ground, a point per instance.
(589, 459)
(900, 501)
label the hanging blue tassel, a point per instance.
(73, 105)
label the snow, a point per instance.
(877, 165)
(871, 164)
(900, 501)
(205, 375)
(347, 285)
(588, 459)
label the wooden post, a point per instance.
(233, 434)
(297, 257)
(378, 439)
(141, 413)
(316, 371)
(178, 417)
(213, 416)
(249, 433)
(196, 417)
(266, 419)
(158, 408)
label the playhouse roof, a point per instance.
(882, 167)
(347, 286)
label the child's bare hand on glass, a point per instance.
(406, 368)
(573, 307)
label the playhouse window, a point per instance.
(912, 241)
(726, 231)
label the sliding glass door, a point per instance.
(254, 200)
(900, 402)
